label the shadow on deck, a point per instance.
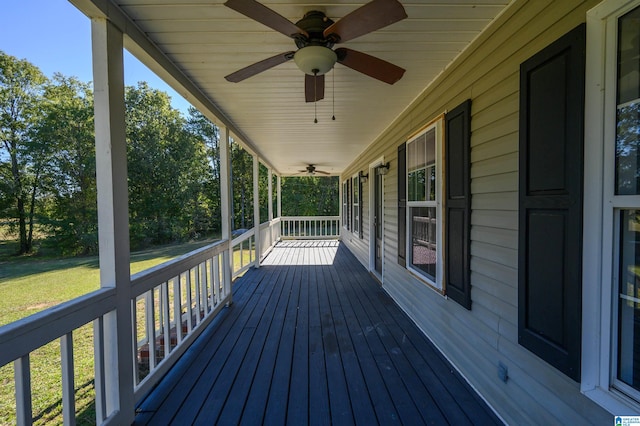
(312, 339)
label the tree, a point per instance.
(242, 187)
(21, 85)
(207, 218)
(310, 196)
(166, 166)
(67, 132)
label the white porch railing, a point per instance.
(244, 246)
(170, 306)
(244, 252)
(310, 227)
(172, 302)
(269, 236)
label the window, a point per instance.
(627, 186)
(611, 271)
(355, 205)
(345, 204)
(424, 187)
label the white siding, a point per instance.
(475, 341)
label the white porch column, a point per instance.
(340, 206)
(225, 208)
(113, 223)
(270, 195)
(256, 207)
(279, 195)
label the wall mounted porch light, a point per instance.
(383, 169)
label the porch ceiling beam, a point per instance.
(148, 53)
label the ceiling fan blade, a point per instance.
(322, 173)
(370, 65)
(370, 17)
(311, 93)
(261, 13)
(258, 67)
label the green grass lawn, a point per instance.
(30, 285)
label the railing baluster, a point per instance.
(215, 262)
(150, 319)
(136, 348)
(166, 323)
(177, 308)
(99, 362)
(68, 387)
(196, 285)
(202, 268)
(22, 375)
(189, 302)
(212, 282)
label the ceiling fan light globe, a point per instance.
(315, 60)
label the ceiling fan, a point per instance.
(311, 170)
(315, 35)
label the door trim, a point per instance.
(372, 243)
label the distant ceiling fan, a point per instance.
(315, 35)
(311, 171)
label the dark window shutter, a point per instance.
(458, 203)
(550, 202)
(360, 209)
(349, 207)
(402, 204)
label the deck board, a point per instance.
(312, 338)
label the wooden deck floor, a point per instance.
(312, 339)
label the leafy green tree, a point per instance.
(67, 130)
(242, 187)
(207, 217)
(310, 196)
(21, 85)
(263, 192)
(166, 167)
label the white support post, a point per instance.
(256, 209)
(340, 195)
(113, 217)
(270, 204)
(279, 195)
(225, 209)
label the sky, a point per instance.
(56, 37)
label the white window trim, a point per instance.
(438, 284)
(355, 189)
(600, 205)
(344, 204)
(371, 191)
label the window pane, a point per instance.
(423, 239)
(417, 185)
(629, 299)
(421, 158)
(431, 184)
(628, 101)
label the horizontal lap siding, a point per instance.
(475, 341)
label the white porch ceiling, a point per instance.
(206, 41)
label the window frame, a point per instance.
(345, 205)
(356, 220)
(437, 283)
(602, 209)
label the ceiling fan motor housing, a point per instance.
(314, 23)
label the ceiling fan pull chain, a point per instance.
(333, 94)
